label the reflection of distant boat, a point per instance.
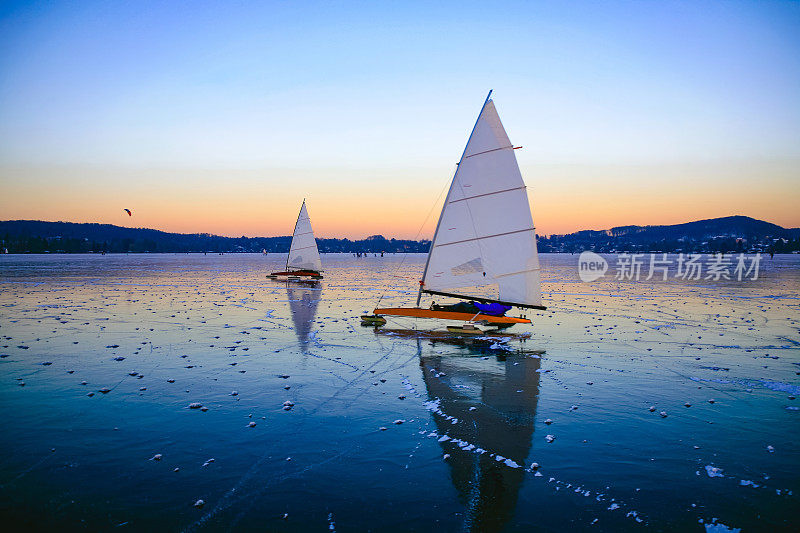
(303, 300)
(494, 401)
(303, 261)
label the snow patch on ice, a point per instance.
(781, 387)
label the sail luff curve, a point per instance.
(485, 234)
(449, 192)
(303, 252)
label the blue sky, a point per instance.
(335, 91)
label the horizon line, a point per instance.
(385, 237)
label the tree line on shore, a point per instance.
(728, 234)
(33, 236)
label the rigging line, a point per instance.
(416, 237)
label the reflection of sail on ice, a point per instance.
(303, 301)
(501, 423)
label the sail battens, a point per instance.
(492, 150)
(484, 237)
(487, 194)
(505, 274)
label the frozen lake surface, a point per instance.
(134, 386)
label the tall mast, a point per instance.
(450, 190)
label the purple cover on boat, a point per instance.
(493, 309)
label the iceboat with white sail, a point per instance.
(484, 246)
(303, 262)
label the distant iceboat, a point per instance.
(303, 262)
(484, 238)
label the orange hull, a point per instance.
(416, 312)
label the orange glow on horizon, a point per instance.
(347, 203)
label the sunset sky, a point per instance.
(221, 117)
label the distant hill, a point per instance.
(726, 234)
(36, 236)
(726, 226)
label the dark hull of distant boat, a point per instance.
(299, 275)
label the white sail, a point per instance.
(303, 253)
(485, 234)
